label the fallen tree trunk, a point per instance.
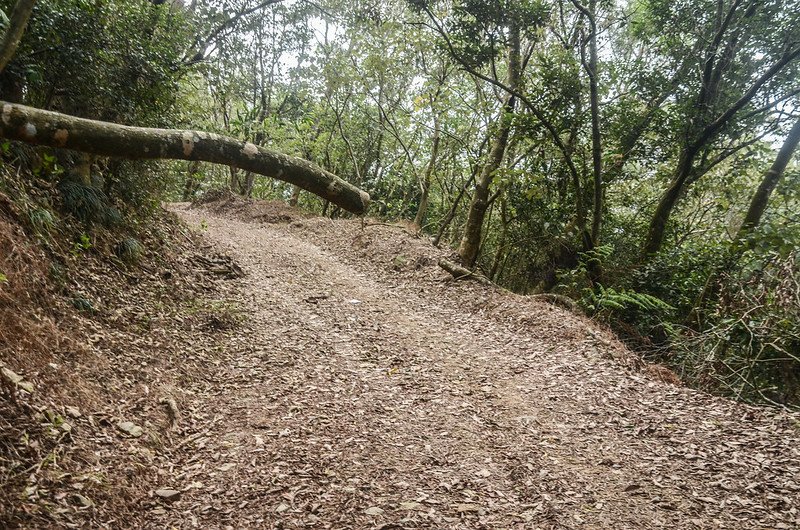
(459, 273)
(41, 127)
(565, 302)
(462, 273)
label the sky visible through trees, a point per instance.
(604, 151)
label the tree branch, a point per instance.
(714, 127)
(16, 29)
(197, 51)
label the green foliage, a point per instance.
(83, 304)
(48, 166)
(575, 279)
(750, 346)
(609, 299)
(84, 202)
(479, 27)
(603, 301)
(116, 60)
(113, 59)
(679, 275)
(362, 100)
(57, 274)
(81, 245)
(3, 278)
(138, 185)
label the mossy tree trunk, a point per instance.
(40, 127)
(758, 203)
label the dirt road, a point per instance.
(365, 390)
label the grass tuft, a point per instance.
(129, 250)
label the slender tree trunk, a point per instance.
(772, 177)
(235, 185)
(451, 213)
(422, 211)
(295, 198)
(501, 244)
(701, 130)
(658, 223)
(470, 241)
(192, 183)
(597, 145)
(35, 126)
(591, 239)
(18, 21)
(758, 204)
(577, 182)
(197, 52)
(247, 184)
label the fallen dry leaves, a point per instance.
(345, 381)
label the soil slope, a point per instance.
(365, 389)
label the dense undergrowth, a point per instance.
(745, 344)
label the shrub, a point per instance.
(751, 347)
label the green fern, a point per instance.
(596, 256)
(601, 298)
(597, 299)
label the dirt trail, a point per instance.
(372, 393)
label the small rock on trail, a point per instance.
(168, 494)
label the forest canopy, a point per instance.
(639, 157)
